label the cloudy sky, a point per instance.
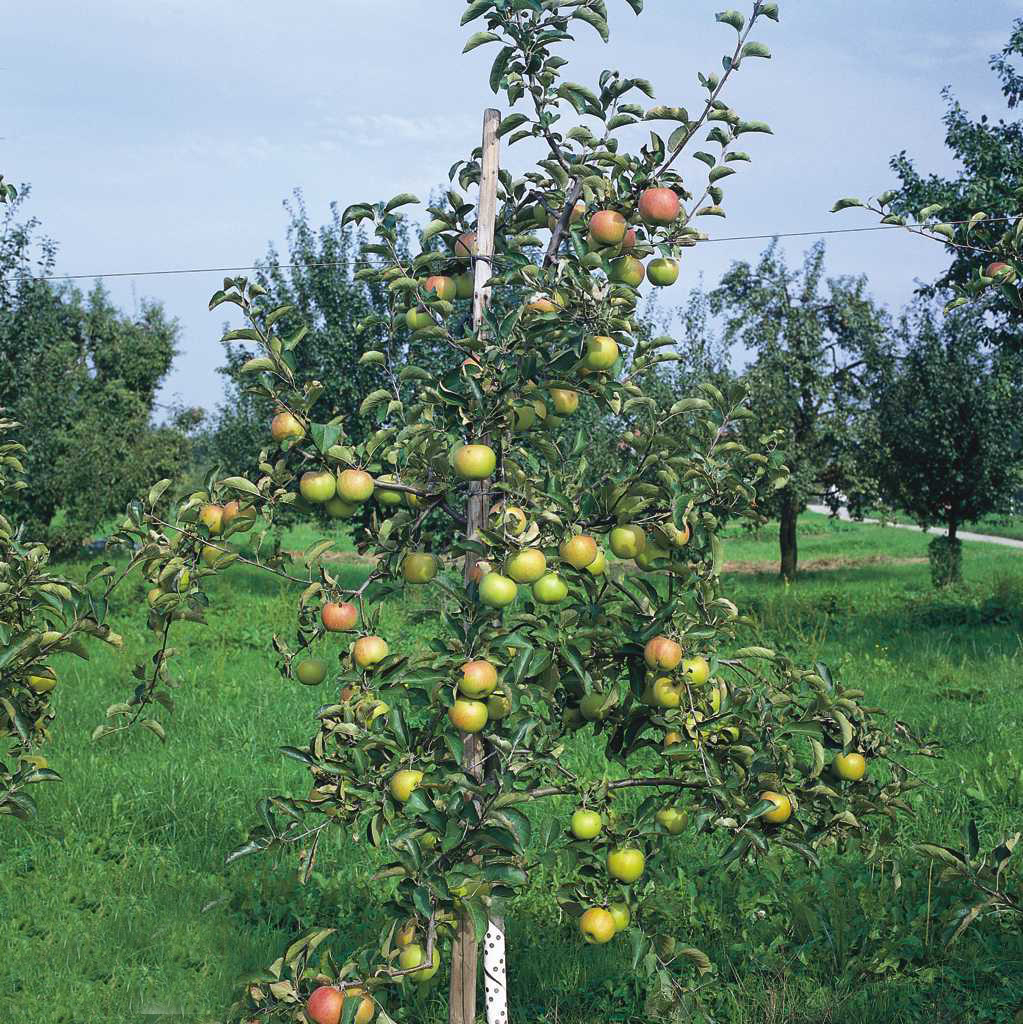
(165, 134)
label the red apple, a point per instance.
(659, 206)
(608, 227)
(339, 618)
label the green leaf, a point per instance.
(499, 65)
(239, 483)
(510, 123)
(754, 49)
(373, 399)
(435, 227)
(770, 10)
(591, 17)
(475, 9)
(744, 127)
(403, 199)
(357, 212)
(733, 18)
(154, 727)
(636, 5)
(845, 204)
(720, 172)
(372, 356)
(480, 39)
(699, 959)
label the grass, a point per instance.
(993, 525)
(115, 905)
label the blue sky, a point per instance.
(165, 133)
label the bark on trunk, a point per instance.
(787, 539)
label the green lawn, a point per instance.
(994, 525)
(115, 905)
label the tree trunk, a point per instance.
(953, 529)
(787, 538)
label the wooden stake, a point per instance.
(464, 953)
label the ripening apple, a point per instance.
(782, 809)
(442, 287)
(696, 671)
(413, 956)
(1000, 271)
(672, 819)
(385, 495)
(541, 304)
(233, 512)
(586, 824)
(479, 679)
(405, 935)
(404, 783)
(212, 517)
(465, 245)
(550, 589)
(592, 707)
(565, 401)
(325, 1005)
(665, 692)
(419, 567)
(285, 425)
(317, 486)
(608, 227)
(851, 767)
(659, 206)
(513, 519)
(210, 555)
(627, 541)
(474, 461)
(662, 272)
(42, 681)
(627, 270)
(601, 353)
(629, 241)
(339, 617)
(579, 551)
(626, 864)
(355, 486)
(597, 926)
(498, 706)
(526, 566)
(465, 285)
(369, 651)
(311, 671)
(622, 916)
(468, 715)
(662, 652)
(497, 591)
(598, 565)
(418, 318)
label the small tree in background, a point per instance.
(815, 345)
(949, 428)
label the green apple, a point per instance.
(672, 819)
(497, 591)
(474, 461)
(662, 272)
(626, 864)
(550, 589)
(479, 679)
(526, 566)
(412, 956)
(586, 824)
(601, 353)
(696, 670)
(627, 541)
(621, 915)
(404, 783)
(311, 671)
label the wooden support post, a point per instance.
(464, 954)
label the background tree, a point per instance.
(96, 447)
(814, 344)
(949, 427)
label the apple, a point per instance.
(597, 926)
(586, 824)
(662, 272)
(405, 935)
(1001, 271)
(782, 810)
(369, 651)
(37, 761)
(550, 589)
(338, 508)
(498, 706)
(212, 517)
(622, 916)
(626, 864)
(317, 486)
(592, 707)
(474, 461)
(601, 353)
(442, 287)
(629, 241)
(627, 270)
(468, 715)
(662, 652)
(672, 819)
(542, 304)
(659, 206)
(579, 551)
(465, 245)
(598, 565)
(419, 567)
(465, 286)
(412, 956)
(417, 318)
(233, 510)
(339, 618)
(284, 426)
(665, 692)
(672, 737)
(311, 671)
(385, 495)
(697, 671)
(627, 541)
(355, 486)
(210, 555)
(325, 1005)
(404, 783)
(497, 591)
(42, 681)
(608, 227)
(526, 566)
(479, 679)
(367, 1008)
(850, 767)
(513, 519)
(573, 218)
(565, 401)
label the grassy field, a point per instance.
(115, 905)
(993, 526)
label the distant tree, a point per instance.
(815, 345)
(82, 378)
(949, 427)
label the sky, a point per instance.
(165, 134)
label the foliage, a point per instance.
(947, 421)
(95, 448)
(817, 345)
(706, 737)
(42, 615)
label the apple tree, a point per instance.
(554, 606)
